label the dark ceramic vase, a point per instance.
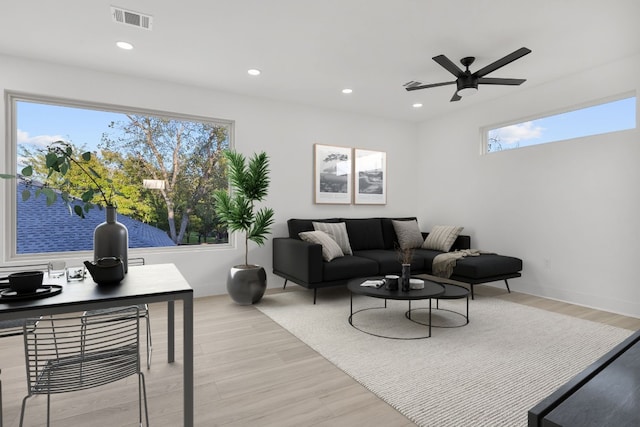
(111, 239)
(404, 279)
(246, 283)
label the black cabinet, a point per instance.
(607, 393)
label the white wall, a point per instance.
(569, 209)
(286, 132)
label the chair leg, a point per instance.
(24, 404)
(285, 284)
(471, 286)
(315, 294)
(149, 342)
(142, 392)
(507, 283)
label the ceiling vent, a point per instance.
(129, 17)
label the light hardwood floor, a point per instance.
(248, 372)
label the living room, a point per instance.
(567, 209)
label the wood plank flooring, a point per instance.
(248, 372)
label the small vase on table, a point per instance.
(404, 279)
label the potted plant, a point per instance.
(111, 238)
(249, 183)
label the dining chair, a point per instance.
(66, 354)
(143, 309)
(15, 327)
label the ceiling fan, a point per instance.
(467, 81)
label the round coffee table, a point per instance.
(430, 290)
(450, 292)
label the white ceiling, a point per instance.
(309, 50)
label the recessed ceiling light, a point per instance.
(124, 45)
(417, 105)
(347, 90)
(254, 72)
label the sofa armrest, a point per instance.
(297, 260)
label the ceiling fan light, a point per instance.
(467, 91)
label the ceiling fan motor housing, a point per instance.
(467, 81)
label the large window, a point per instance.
(162, 167)
(593, 120)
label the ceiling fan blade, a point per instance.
(410, 88)
(497, 81)
(502, 62)
(455, 97)
(448, 65)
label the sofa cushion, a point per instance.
(365, 233)
(441, 237)
(427, 255)
(408, 234)
(330, 248)
(486, 265)
(338, 231)
(388, 262)
(348, 267)
(388, 232)
(297, 226)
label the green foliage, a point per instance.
(249, 183)
(75, 175)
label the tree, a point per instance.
(184, 155)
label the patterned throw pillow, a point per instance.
(408, 234)
(338, 231)
(441, 238)
(330, 248)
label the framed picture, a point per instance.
(333, 183)
(370, 177)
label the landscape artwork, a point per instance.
(371, 177)
(332, 173)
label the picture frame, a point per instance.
(370, 177)
(333, 181)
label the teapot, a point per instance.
(106, 271)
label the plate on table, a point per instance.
(42, 292)
(416, 283)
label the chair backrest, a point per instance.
(67, 354)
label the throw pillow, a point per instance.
(441, 238)
(338, 231)
(408, 234)
(330, 248)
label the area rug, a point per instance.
(487, 373)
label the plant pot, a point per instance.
(246, 283)
(111, 239)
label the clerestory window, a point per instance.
(599, 118)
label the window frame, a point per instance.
(484, 130)
(10, 219)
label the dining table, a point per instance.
(143, 284)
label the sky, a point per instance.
(42, 124)
(602, 118)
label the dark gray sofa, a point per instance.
(373, 241)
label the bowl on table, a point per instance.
(25, 282)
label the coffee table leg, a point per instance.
(429, 317)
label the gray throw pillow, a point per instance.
(441, 238)
(330, 248)
(338, 231)
(408, 234)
